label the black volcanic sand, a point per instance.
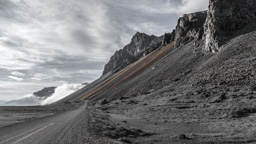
(186, 97)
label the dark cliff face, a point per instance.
(140, 45)
(225, 17)
(215, 26)
(168, 38)
(189, 27)
(46, 92)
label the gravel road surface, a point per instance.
(68, 127)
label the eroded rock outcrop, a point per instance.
(223, 18)
(190, 27)
(168, 38)
(140, 45)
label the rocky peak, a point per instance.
(190, 27)
(140, 45)
(225, 17)
(45, 92)
(139, 36)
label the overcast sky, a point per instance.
(49, 42)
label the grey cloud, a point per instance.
(3, 74)
(71, 64)
(12, 44)
(11, 11)
(71, 69)
(75, 77)
(84, 39)
(135, 17)
(7, 8)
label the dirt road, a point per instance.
(68, 127)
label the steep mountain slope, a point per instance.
(182, 30)
(129, 72)
(234, 65)
(174, 97)
(190, 95)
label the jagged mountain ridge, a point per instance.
(45, 92)
(140, 45)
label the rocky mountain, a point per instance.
(202, 90)
(140, 45)
(190, 27)
(224, 17)
(45, 92)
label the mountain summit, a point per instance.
(140, 45)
